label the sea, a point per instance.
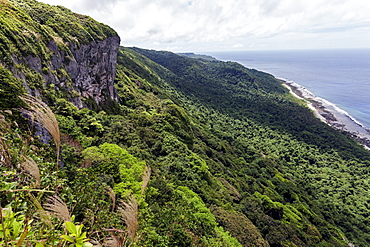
(338, 77)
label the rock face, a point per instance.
(87, 71)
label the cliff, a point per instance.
(194, 151)
(52, 58)
(87, 72)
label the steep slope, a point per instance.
(267, 120)
(56, 52)
(251, 94)
(182, 152)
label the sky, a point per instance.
(232, 25)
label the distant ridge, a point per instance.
(159, 149)
(197, 56)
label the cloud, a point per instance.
(215, 23)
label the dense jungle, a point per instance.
(104, 145)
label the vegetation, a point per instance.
(28, 26)
(34, 36)
(197, 152)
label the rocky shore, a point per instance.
(331, 114)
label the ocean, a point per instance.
(340, 77)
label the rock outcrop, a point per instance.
(58, 53)
(84, 72)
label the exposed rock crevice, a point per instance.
(85, 71)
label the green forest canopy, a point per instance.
(197, 152)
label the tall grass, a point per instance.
(42, 113)
(45, 116)
(30, 166)
(112, 196)
(145, 178)
(57, 207)
(5, 158)
(129, 212)
(44, 216)
(130, 215)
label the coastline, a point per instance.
(330, 113)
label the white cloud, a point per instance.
(233, 24)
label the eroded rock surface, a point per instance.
(85, 71)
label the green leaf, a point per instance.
(68, 238)
(79, 230)
(16, 228)
(71, 228)
(81, 238)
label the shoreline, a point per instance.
(330, 113)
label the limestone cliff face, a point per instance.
(94, 69)
(87, 71)
(58, 53)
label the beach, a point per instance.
(330, 113)
(339, 77)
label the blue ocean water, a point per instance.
(339, 76)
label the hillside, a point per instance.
(152, 148)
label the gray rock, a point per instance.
(87, 71)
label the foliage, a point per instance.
(239, 226)
(183, 219)
(126, 170)
(14, 227)
(235, 159)
(228, 132)
(76, 236)
(33, 39)
(10, 89)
